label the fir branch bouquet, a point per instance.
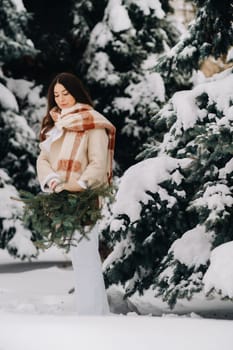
(53, 217)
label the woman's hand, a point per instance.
(71, 186)
(53, 183)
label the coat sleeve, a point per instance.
(44, 171)
(97, 152)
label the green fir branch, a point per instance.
(54, 217)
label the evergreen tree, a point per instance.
(210, 34)
(17, 139)
(84, 15)
(117, 67)
(17, 162)
(147, 217)
(209, 184)
(185, 213)
(13, 41)
(30, 99)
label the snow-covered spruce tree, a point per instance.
(13, 41)
(17, 163)
(84, 15)
(209, 34)
(30, 99)
(207, 138)
(17, 139)
(148, 215)
(116, 66)
(166, 226)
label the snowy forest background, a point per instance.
(168, 89)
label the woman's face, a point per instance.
(62, 97)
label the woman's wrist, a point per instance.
(71, 186)
(83, 184)
(53, 183)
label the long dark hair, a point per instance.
(74, 86)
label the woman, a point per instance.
(77, 145)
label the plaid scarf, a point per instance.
(77, 120)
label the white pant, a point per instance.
(90, 293)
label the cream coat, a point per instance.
(94, 152)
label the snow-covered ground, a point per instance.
(37, 313)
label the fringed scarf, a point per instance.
(77, 120)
